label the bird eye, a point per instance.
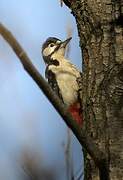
(52, 44)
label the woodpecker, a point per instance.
(62, 75)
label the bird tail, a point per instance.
(75, 111)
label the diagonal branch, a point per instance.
(85, 141)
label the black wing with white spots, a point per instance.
(53, 82)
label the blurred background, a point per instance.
(35, 143)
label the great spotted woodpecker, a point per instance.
(62, 75)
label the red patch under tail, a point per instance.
(75, 111)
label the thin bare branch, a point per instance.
(86, 141)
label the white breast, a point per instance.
(66, 76)
(68, 87)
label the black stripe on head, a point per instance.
(48, 41)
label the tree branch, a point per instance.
(86, 141)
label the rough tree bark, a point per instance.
(100, 28)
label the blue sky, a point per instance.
(27, 119)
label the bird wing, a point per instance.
(50, 76)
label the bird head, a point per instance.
(54, 46)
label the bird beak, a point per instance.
(64, 43)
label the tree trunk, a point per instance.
(100, 27)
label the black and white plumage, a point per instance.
(61, 74)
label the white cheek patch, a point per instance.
(46, 52)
